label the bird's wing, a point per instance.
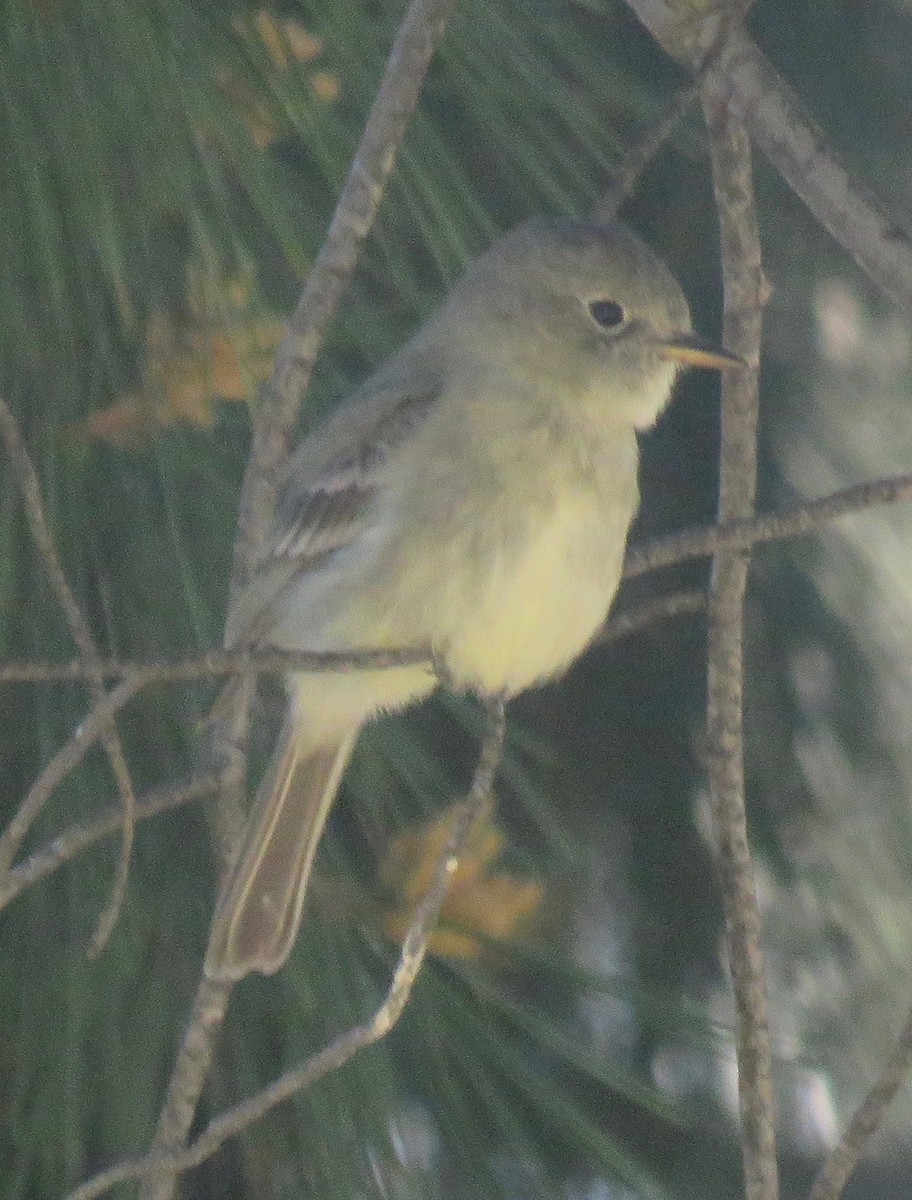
(325, 501)
(321, 504)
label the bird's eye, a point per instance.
(607, 313)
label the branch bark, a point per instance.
(737, 73)
(168, 1162)
(191, 1068)
(745, 291)
(394, 103)
(30, 490)
(866, 1120)
(73, 841)
(653, 555)
(359, 200)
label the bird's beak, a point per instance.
(695, 351)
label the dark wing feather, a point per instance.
(312, 522)
(321, 510)
(326, 497)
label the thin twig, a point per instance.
(866, 1120)
(73, 841)
(356, 209)
(650, 612)
(745, 291)
(67, 845)
(30, 490)
(218, 663)
(191, 1068)
(344, 1047)
(394, 103)
(740, 76)
(90, 730)
(623, 182)
(745, 532)
(660, 552)
(802, 153)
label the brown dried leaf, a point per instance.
(480, 902)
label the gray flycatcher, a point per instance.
(473, 496)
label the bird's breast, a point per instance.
(505, 556)
(535, 606)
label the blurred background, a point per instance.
(167, 172)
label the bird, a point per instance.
(473, 496)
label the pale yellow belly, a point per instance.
(501, 621)
(505, 576)
(538, 609)
(507, 600)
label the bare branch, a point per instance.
(218, 663)
(79, 837)
(30, 490)
(356, 209)
(66, 846)
(354, 215)
(746, 532)
(739, 75)
(191, 1067)
(866, 1120)
(650, 556)
(67, 757)
(651, 612)
(745, 291)
(344, 1047)
(623, 182)
(801, 152)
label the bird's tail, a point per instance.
(259, 911)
